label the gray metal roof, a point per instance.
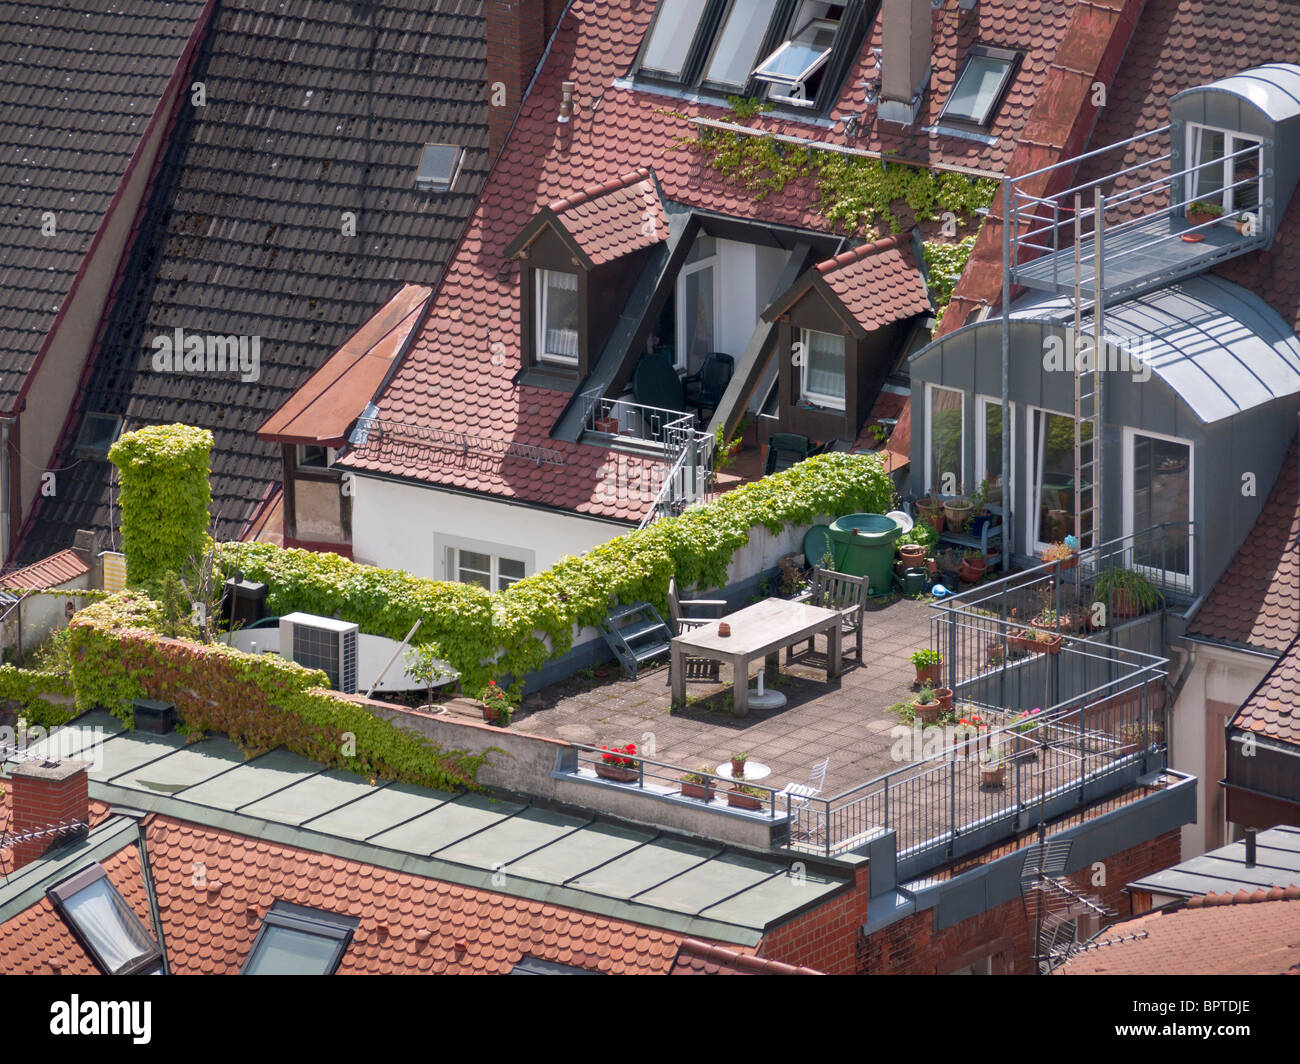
(1221, 348)
(1277, 864)
(1274, 89)
(570, 858)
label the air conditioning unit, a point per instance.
(322, 643)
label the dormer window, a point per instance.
(799, 52)
(983, 83)
(557, 317)
(823, 368)
(1227, 169)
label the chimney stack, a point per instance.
(43, 795)
(517, 32)
(904, 59)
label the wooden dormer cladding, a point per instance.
(867, 296)
(600, 236)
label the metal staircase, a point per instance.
(636, 634)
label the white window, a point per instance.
(489, 571)
(988, 448)
(311, 456)
(945, 438)
(557, 317)
(697, 304)
(742, 33)
(1227, 169)
(1051, 460)
(823, 368)
(798, 58)
(1158, 492)
(670, 40)
(982, 82)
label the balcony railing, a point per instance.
(1130, 222)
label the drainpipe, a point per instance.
(1008, 523)
(6, 473)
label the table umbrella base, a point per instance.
(763, 699)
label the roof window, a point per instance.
(439, 167)
(113, 935)
(982, 84)
(295, 940)
(98, 433)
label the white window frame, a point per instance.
(981, 449)
(541, 294)
(1171, 577)
(446, 550)
(723, 25)
(787, 88)
(831, 402)
(1035, 478)
(713, 262)
(300, 451)
(929, 434)
(494, 574)
(1233, 141)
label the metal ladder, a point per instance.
(636, 634)
(1088, 384)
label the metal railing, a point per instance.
(684, 454)
(1126, 203)
(408, 441)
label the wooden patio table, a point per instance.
(760, 630)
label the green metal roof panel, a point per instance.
(184, 768)
(774, 898)
(448, 823)
(311, 797)
(645, 867)
(510, 839)
(568, 857)
(252, 781)
(378, 812)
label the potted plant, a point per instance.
(615, 764)
(423, 664)
(1022, 724)
(956, 511)
(926, 707)
(944, 695)
(966, 736)
(930, 510)
(927, 666)
(1131, 736)
(1201, 212)
(743, 796)
(973, 566)
(993, 770)
(980, 516)
(1059, 556)
(912, 554)
(697, 784)
(995, 651)
(496, 705)
(607, 425)
(738, 764)
(1126, 593)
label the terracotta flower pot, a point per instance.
(607, 424)
(737, 769)
(616, 773)
(969, 574)
(944, 695)
(993, 777)
(724, 629)
(955, 514)
(1201, 217)
(927, 712)
(927, 675)
(738, 800)
(702, 791)
(912, 554)
(932, 566)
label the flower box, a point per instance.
(619, 775)
(741, 800)
(702, 791)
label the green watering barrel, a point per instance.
(864, 546)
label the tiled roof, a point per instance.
(314, 113)
(1273, 708)
(704, 958)
(616, 218)
(78, 87)
(48, 572)
(408, 924)
(1223, 936)
(449, 379)
(878, 283)
(324, 408)
(1256, 602)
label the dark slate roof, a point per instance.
(312, 110)
(78, 86)
(1224, 871)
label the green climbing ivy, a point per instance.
(165, 494)
(491, 635)
(945, 263)
(855, 192)
(259, 701)
(31, 688)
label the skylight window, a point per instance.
(439, 167)
(801, 56)
(669, 43)
(295, 940)
(538, 966)
(981, 86)
(109, 929)
(98, 433)
(742, 33)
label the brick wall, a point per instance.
(826, 937)
(913, 947)
(44, 795)
(517, 31)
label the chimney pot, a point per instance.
(1250, 847)
(566, 101)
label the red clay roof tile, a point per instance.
(48, 572)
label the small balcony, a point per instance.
(1130, 230)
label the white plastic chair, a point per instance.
(800, 795)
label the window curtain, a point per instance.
(825, 373)
(562, 314)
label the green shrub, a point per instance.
(485, 635)
(164, 490)
(29, 688)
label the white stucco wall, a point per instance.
(405, 526)
(1220, 678)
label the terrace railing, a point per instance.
(1132, 219)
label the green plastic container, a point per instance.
(915, 581)
(864, 546)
